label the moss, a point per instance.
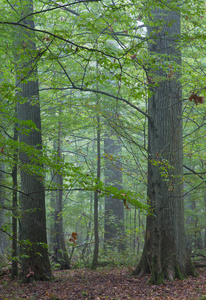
(157, 278)
(178, 273)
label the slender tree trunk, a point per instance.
(96, 222)
(88, 229)
(135, 226)
(114, 208)
(2, 213)
(165, 254)
(51, 233)
(34, 257)
(3, 236)
(96, 197)
(14, 270)
(205, 226)
(60, 251)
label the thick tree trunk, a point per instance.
(114, 208)
(165, 254)
(34, 256)
(32, 202)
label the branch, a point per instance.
(193, 172)
(6, 132)
(115, 97)
(59, 38)
(58, 7)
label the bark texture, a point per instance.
(165, 254)
(34, 256)
(60, 252)
(3, 237)
(96, 200)
(14, 268)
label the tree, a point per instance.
(71, 45)
(60, 252)
(2, 212)
(14, 270)
(165, 254)
(114, 208)
(34, 256)
(96, 197)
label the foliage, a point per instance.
(98, 49)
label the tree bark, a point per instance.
(3, 236)
(34, 256)
(165, 254)
(14, 269)
(205, 226)
(96, 200)
(60, 252)
(51, 216)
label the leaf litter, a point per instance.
(110, 284)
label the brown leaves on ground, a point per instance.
(114, 284)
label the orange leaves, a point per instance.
(171, 72)
(110, 156)
(126, 204)
(133, 56)
(73, 238)
(196, 99)
(46, 38)
(125, 201)
(2, 149)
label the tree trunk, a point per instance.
(34, 257)
(60, 252)
(205, 226)
(3, 236)
(165, 254)
(114, 208)
(96, 198)
(14, 269)
(51, 231)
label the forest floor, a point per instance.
(110, 284)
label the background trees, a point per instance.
(67, 43)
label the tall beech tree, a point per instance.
(34, 255)
(165, 254)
